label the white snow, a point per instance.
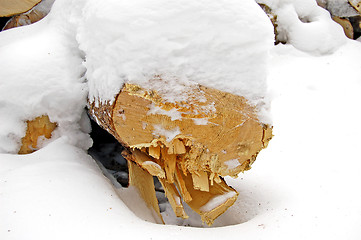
(214, 43)
(306, 26)
(305, 185)
(232, 164)
(200, 121)
(152, 164)
(216, 201)
(169, 135)
(173, 113)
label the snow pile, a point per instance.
(214, 43)
(306, 26)
(41, 74)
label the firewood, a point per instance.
(39, 127)
(143, 181)
(13, 7)
(210, 137)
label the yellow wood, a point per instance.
(143, 181)
(39, 127)
(13, 7)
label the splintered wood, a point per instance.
(214, 134)
(37, 128)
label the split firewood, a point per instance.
(40, 127)
(13, 7)
(188, 145)
(143, 181)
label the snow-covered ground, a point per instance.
(305, 185)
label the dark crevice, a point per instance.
(106, 150)
(3, 21)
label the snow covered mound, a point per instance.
(221, 44)
(306, 26)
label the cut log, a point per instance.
(37, 128)
(188, 145)
(13, 7)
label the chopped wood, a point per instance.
(182, 186)
(174, 198)
(170, 164)
(146, 162)
(37, 128)
(200, 181)
(13, 7)
(154, 151)
(144, 182)
(214, 134)
(209, 205)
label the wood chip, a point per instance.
(174, 198)
(144, 182)
(200, 181)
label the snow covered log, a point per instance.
(183, 87)
(13, 7)
(188, 145)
